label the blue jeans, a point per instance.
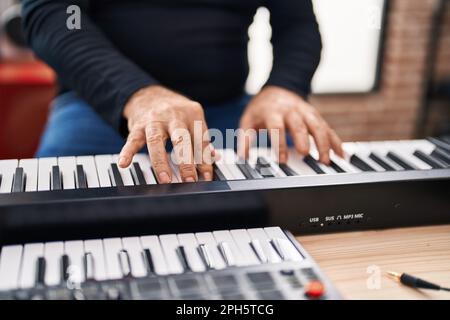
(75, 129)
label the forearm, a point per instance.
(85, 60)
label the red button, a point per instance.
(314, 289)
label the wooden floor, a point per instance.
(357, 262)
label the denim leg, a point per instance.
(75, 129)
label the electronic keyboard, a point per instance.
(378, 185)
(259, 263)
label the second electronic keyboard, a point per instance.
(380, 184)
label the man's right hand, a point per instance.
(156, 114)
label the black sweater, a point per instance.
(196, 47)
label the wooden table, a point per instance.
(357, 262)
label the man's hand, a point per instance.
(156, 114)
(275, 108)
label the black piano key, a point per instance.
(181, 253)
(248, 171)
(1, 180)
(65, 263)
(441, 155)
(440, 144)
(218, 175)
(40, 271)
(313, 164)
(264, 168)
(336, 167)
(435, 164)
(137, 174)
(80, 177)
(287, 170)
(361, 164)
(377, 159)
(148, 259)
(125, 263)
(116, 177)
(89, 266)
(19, 181)
(56, 178)
(262, 162)
(400, 161)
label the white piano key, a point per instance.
(190, 244)
(95, 247)
(7, 169)
(169, 245)
(242, 240)
(344, 164)
(295, 161)
(221, 164)
(271, 157)
(291, 250)
(133, 246)
(225, 236)
(75, 251)
(10, 261)
(103, 163)
(67, 167)
(381, 149)
(228, 160)
(424, 145)
(45, 169)
(146, 167)
(207, 239)
(406, 151)
(153, 244)
(111, 249)
(30, 169)
(127, 178)
(315, 154)
(53, 251)
(363, 151)
(88, 163)
(260, 235)
(31, 253)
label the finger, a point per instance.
(182, 147)
(246, 136)
(135, 142)
(336, 143)
(156, 137)
(319, 130)
(277, 131)
(203, 151)
(299, 132)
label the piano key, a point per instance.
(435, 164)
(75, 252)
(67, 166)
(30, 168)
(207, 239)
(31, 253)
(137, 174)
(181, 254)
(169, 245)
(218, 175)
(56, 183)
(247, 170)
(363, 151)
(257, 248)
(227, 164)
(148, 259)
(7, 169)
(205, 254)
(124, 263)
(133, 246)
(10, 261)
(260, 235)
(80, 177)
(400, 161)
(227, 254)
(103, 164)
(176, 176)
(45, 169)
(95, 248)
(89, 266)
(226, 237)
(440, 144)
(336, 167)
(295, 161)
(276, 232)
(18, 181)
(115, 176)
(242, 240)
(344, 164)
(406, 150)
(88, 163)
(313, 164)
(442, 156)
(153, 244)
(381, 149)
(53, 252)
(146, 167)
(360, 164)
(190, 244)
(111, 249)
(127, 178)
(64, 264)
(287, 170)
(314, 154)
(40, 271)
(381, 162)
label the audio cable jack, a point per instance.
(414, 282)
